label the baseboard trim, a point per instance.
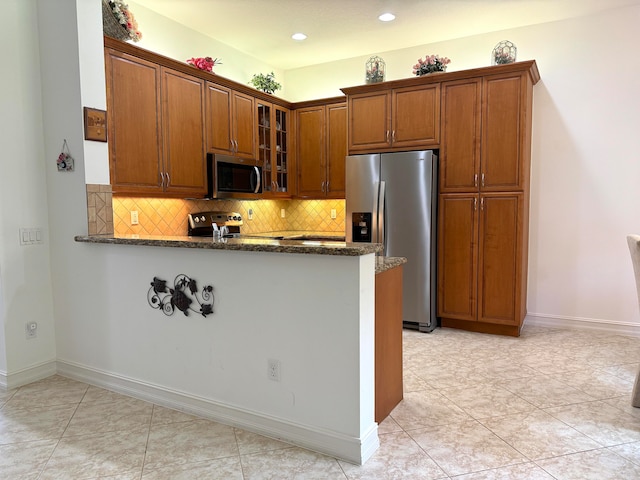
(559, 321)
(351, 449)
(25, 376)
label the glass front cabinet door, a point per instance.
(273, 149)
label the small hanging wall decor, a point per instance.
(65, 160)
(95, 124)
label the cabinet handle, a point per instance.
(482, 204)
(475, 204)
(388, 136)
(475, 180)
(327, 186)
(162, 175)
(393, 136)
(322, 186)
(483, 179)
(168, 179)
(235, 149)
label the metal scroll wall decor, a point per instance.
(181, 296)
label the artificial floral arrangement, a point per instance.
(205, 63)
(374, 73)
(124, 17)
(503, 53)
(502, 58)
(430, 64)
(266, 83)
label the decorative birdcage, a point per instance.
(504, 52)
(375, 70)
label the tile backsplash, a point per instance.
(162, 216)
(99, 209)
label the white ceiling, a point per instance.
(339, 29)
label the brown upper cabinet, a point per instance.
(156, 128)
(405, 118)
(321, 143)
(231, 125)
(486, 134)
(274, 133)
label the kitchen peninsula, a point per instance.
(307, 307)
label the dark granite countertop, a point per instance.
(253, 244)
(387, 263)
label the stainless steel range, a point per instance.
(201, 224)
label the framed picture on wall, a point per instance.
(95, 124)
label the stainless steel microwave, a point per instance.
(231, 177)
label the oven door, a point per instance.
(236, 178)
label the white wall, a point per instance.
(166, 37)
(25, 277)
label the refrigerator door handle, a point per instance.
(381, 227)
(374, 213)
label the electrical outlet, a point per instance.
(333, 213)
(250, 214)
(134, 217)
(31, 330)
(282, 213)
(273, 370)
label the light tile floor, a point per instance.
(552, 404)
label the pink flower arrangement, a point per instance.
(430, 64)
(206, 63)
(125, 18)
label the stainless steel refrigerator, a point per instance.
(391, 198)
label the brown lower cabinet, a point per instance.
(388, 339)
(482, 262)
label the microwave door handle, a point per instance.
(381, 226)
(257, 172)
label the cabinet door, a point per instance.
(274, 129)
(499, 266)
(133, 103)
(503, 133)
(415, 116)
(183, 133)
(460, 147)
(283, 171)
(219, 132)
(336, 150)
(457, 256)
(311, 152)
(369, 121)
(244, 127)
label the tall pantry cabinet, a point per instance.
(484, 199)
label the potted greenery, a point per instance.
(266, 83)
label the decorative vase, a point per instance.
(429, 69)
(375, 70)
(503, 53)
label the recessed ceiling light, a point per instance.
(386, 17)
(298, 36)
